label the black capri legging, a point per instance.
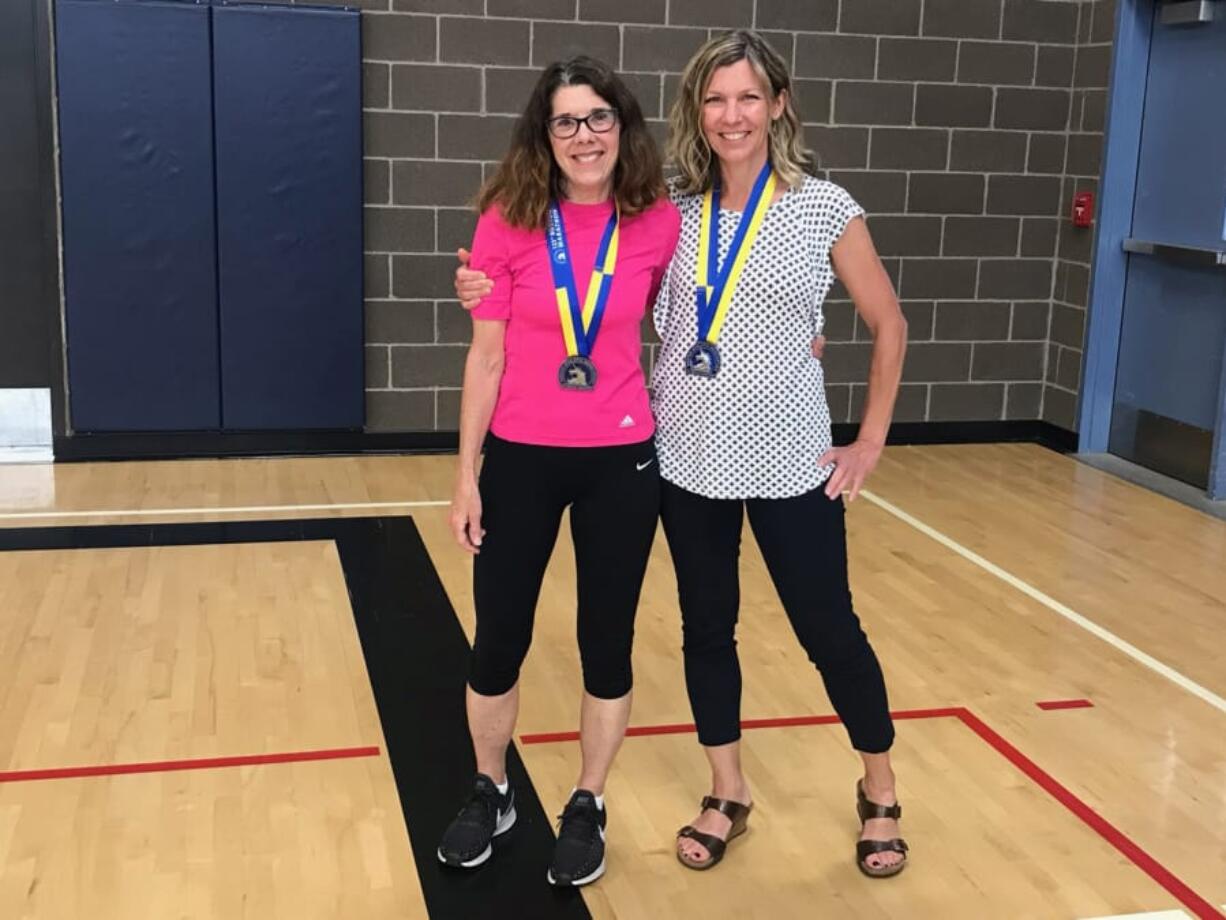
(804, 544)
(614, 499)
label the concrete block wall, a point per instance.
(963, 126)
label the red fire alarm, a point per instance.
(1083, 209)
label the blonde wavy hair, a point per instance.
(688, 150)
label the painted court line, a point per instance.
(1051, 603)
(1199, 907)
(248, 509)
(686, 728)
(1065, 704)
(170, 766)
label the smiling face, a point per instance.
(737, 111)
(588, 158)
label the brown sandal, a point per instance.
(868, 810)
(738, 812)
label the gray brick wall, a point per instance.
(963, 126)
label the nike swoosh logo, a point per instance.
(642, 466)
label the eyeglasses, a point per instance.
(598, 121)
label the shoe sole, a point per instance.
(507, 822)
(579, 882)
(884, 871)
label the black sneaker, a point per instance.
(487, 813)
(578, 857)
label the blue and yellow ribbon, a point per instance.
(579, 327)
(715, 285)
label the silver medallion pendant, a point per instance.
(577, 373)
(702, 360)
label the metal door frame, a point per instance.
(1134, 25)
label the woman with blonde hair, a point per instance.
(743, 426)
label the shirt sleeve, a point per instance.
(659, 309)
(840, 209)
(490, 255)
(669, 233)
(659, 313)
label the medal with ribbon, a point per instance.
(580, 325)
(715, 284)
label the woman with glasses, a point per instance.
(576, 232)
(743, 425)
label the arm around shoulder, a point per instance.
(483, 279)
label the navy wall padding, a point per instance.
(136, 161)
(26, 243)
(288, 119)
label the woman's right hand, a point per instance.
(470, 285)
(466, 514)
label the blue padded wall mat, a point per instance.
(288, 119)
(136, 167)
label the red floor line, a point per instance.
(169, 766)
(1065, 704)
(684, 728)
(552, 737)
(790, 721)
(1104, 828)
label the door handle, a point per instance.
(1176, 252)
(1186, 12)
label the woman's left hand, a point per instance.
(852, 465)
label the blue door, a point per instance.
(1169, 406)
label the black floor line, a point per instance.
(417, 658)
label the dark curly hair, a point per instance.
(528, 177)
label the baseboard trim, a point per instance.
(182, 445)
(994, 432)
(179, 445)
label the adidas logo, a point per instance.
(627, 422)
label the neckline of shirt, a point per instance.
(788, 195)
(604, 205)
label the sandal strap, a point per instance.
(715, 846)
(866, 848)
(734, 811)
(868, 809)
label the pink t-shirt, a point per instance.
(532, 407)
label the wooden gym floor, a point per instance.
(232, 689)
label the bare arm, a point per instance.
(482, 377)
(858, 266)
